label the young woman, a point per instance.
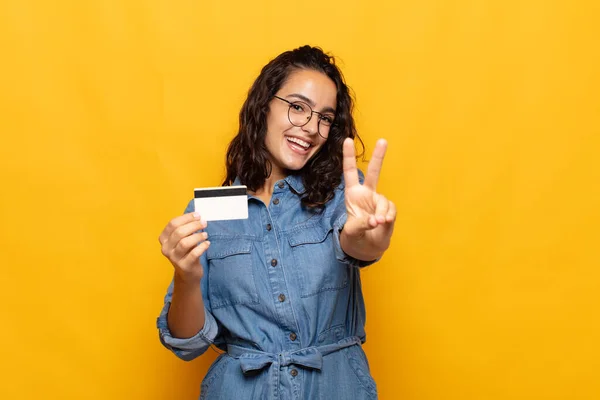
(280, 292)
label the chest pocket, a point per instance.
(315, 260)
(230, 272)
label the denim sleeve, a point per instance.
(339, 217)
(189, 348)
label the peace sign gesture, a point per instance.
(371, 216)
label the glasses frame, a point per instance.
(291, 103)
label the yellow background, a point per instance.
(112, 111)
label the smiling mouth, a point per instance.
(299, 142)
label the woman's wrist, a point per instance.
(185, 285)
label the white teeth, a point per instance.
(299, 142)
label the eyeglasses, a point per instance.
(301, 113)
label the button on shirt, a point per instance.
(284, 303)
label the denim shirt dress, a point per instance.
(284, 303)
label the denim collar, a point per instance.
(295, 182)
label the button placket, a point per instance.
(277, 281)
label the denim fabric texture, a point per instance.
(283, 301)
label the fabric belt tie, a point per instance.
(308, 357)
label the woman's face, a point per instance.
(291, 147)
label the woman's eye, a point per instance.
(297, 107)
(327, 119)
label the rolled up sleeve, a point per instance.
(186, 348)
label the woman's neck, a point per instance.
(266, 191)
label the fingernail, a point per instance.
(196, 215)
(207, 242)
(203, 221)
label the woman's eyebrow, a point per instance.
(310, 102)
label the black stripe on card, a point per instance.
(226, 191)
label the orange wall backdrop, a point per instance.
(111, 112)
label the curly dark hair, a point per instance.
(247, 155)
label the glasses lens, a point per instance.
(326, 119)
(325, 122)
(299, 113)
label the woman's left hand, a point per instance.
(371, 216)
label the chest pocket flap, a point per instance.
(221, 248)
(308, 235)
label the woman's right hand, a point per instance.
(183, 245)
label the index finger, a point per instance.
(176, 223)
(349, 163)
(374, 168)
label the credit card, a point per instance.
(221, 203)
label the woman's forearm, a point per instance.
(186, 313)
